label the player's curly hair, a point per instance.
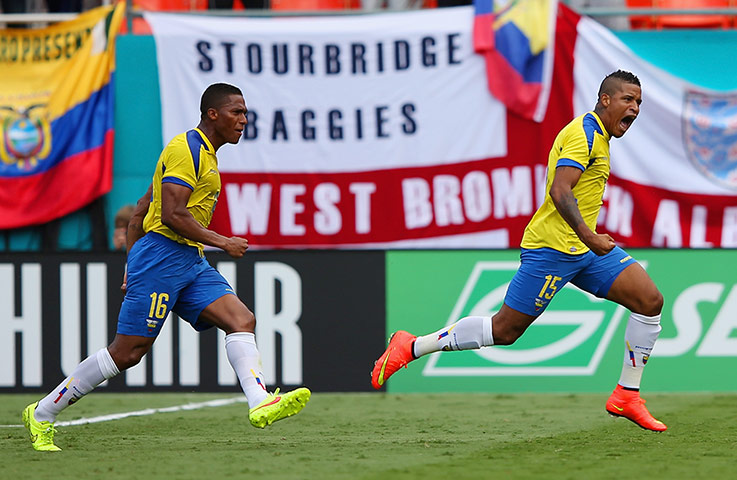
(214, 95)
(611, 82)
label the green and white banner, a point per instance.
(577, 344)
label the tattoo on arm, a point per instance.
(568, 209)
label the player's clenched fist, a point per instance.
(602, 244)
(236, 247)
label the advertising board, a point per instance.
(577, 344)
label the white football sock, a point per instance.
(93, 370)
(639, 340)
(246, 361)
(466, 334)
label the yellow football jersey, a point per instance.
(584, 144)
(188, 160)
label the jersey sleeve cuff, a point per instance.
(177, 181)
(567, 162)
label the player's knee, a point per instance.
(245, 321)
(250, 321)
(127, 352)
(652, 304)
(126, 360)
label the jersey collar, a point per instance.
(607, 136)
(208, 145)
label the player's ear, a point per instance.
(605, 99)
(212, 113)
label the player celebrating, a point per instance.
(167, 271)
(560, 245)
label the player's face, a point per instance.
(622, 109)
(231, 119)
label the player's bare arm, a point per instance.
(174, 214)
(135, 224)
(561, 192)
(135, 228)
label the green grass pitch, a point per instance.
(382, 436)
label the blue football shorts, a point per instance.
(166, 275)
(544, 271)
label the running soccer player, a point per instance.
(560, 245)
(167, 271)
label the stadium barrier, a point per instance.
(323, 318)
(320, 318)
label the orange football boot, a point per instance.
(397, 355)
(628, 404)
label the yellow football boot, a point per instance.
(278, 406)
(41, 433)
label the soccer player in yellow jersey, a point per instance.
(560, 245)
(167, 271)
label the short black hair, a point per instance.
(611, 82)
(213, 96)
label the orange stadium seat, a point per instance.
(141, 27)
(642, 21)
(664, 20)
(695, 20)
(170, 5)
(314, 4)
(329, 4)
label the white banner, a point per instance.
(336, 94)
(661, 149)
(379, 131)
(674, 174)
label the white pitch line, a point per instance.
(149, 411)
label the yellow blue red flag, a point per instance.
(516, 38)
(56, 116)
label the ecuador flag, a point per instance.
(56, 116)
(517, 39)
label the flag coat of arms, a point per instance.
(56, 116)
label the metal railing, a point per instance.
(47, 18)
